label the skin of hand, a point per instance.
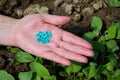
(63, 46)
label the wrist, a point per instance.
(7, 30)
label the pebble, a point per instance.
(108, 17)
(8, 11)
(44, 9)
(19, 12)
(68, 1)
(87, 11)
(36, 9)
(25, 2)
(69, 8)
(58, 2)
(75, 1)
(12, 2)
(77, 8)
(2, 2)
(76, 17)
(98, 5)
(84, 1)
(63, 5)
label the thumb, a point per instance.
(55, 20)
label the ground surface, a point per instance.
(81, 14)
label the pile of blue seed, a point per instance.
(44, 37)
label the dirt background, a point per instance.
(81, 12)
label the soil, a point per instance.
(9, 63)
(106, 12)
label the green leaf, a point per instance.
(101, 47)
(114, 3)
(86, 71)
(118, 34)
(118, 29)
(40, 60)
(112, 46)
(12, 49)
(39, 69)
(5, 76)
(96, 55)
(90, 71)
(25, 75)
(63, 73)
(110, 66)
(98, 46)
(101, 69)
(116, 74)
(113, 59)
(69, 69)
(102, 39)
(37, 77)
(111, 32)
(89, 35)
(106, 73)
(24, 57)
(80, 75)
(97, 77)
(52, 78)
(96, 25)
(93, 70)
(75, 67)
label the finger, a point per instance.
(56, 58)
(30, 45)
(77, 49)
(70, 55)
(55, 20)
(69, 37)
(50, 56)
(40, 51)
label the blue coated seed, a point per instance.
(37, 34)
(43, 37)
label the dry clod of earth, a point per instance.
(77, 8)
(19, 12)
(12, 2)
(2, 2)
(75, 1)
(76, 16)
(69, 8)
(36, 8)
(88, 11)
(98, 5)
(58, 2)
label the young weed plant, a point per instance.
(104, 65)
(38, 70)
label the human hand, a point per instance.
(63, 46)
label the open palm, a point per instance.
(63, 46)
